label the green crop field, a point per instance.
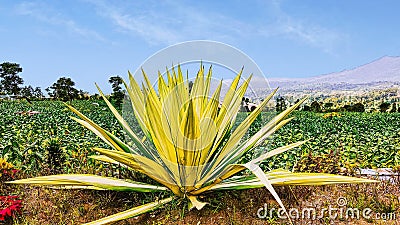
(368, 140)
(52, 143)
(23, 137)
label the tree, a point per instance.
(328, 105)
(247, 105)
(10, 80)
(297, 101)
(118, 95)
(358, 107)
(384, 106)
(115, 82)
(38, 93)
(95, 96)
(83, 95)
(394, 108)
(280, 104)
(315, 106)
(27, 91)
(346, 108)
(63, 89)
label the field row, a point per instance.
(359, 139)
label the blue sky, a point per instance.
(91, 40)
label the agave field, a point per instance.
(49, 142)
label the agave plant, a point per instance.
(189, 145)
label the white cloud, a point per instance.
(46, 14)
(312, 34)
(150, 31)
(308, 32)
(168, 22)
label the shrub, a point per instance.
(9, 206)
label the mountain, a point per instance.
(379, 74)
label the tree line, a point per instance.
(315, 106)
(63, 89)
(10, 82)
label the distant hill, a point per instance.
(379, 74)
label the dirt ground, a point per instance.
(257, 206)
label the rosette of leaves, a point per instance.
(189, 146)
(55, 155)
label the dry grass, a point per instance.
(45, 206)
